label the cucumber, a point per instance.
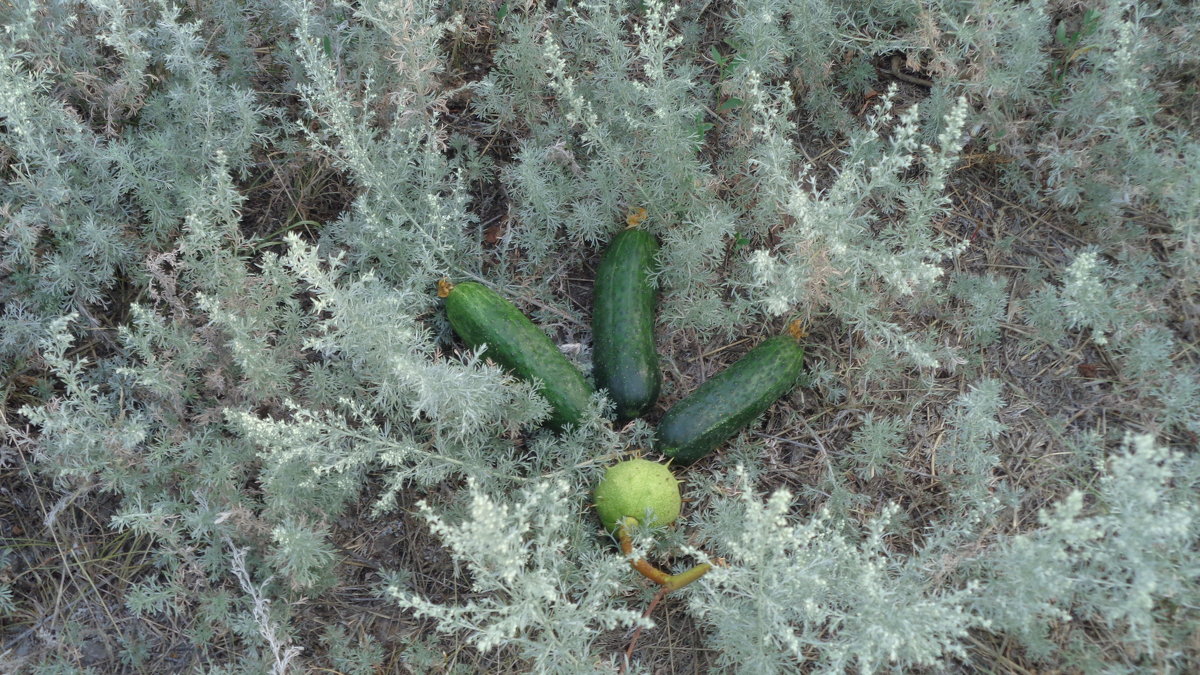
(730, 400)
(623, 356)
(481, 317)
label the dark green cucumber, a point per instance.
(730, 400)
(623, 356)
(481, 317)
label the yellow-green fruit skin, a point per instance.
(635, 486)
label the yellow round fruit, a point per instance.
(638, 489)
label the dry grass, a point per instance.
(68, 567)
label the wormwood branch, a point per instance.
(280, 650)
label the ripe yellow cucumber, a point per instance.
(730, 400)
(624, 360)
(481, 317)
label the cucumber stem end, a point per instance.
(635, 217)
(796, 330)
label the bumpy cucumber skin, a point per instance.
(623, 355)
(481, 317)
(730, 400)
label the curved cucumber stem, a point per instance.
(669, 582)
